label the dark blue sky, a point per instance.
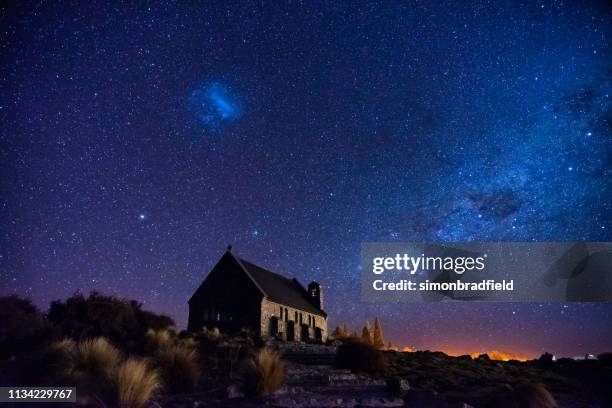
(137, 142)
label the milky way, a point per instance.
(138, 142)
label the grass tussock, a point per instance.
(88, 363)
(96, 358)
(102, 377)
(210, 334)
(159, 339)
(135, 383)
(357, 355)
(264, 373)
(176, 359)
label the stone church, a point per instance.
(237, 294)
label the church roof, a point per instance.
(278, 288)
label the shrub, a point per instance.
(377, 335)
(176, 359)
(546, 358)
(339, 333)
(605, 359)
(263, 373)
(23, 327)
(355, 354)
(122, 322)
(135, 384)
(45, 366)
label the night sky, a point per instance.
(138, 142)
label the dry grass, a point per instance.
(264, 373)
(135, 383)
(88, 363)
(67, 346)
(179, 367)
(189, 342)
(95, 367)
(176, 359)
(96, 359)
(209, 334)
(159, 339)
(59, 362)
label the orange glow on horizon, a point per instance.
(497, 355)
(502, 355)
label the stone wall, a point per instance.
(270, 309)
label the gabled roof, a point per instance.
(278, 288)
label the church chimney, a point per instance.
(315, 295)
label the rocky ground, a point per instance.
(419, 379)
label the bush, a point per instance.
(263, 373)
(605, 359)
(123, 322)
(176, 359)
(354, 354)
(23, 327)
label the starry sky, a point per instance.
(138, 142)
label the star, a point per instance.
(300, 151)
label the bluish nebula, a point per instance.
(214, 105)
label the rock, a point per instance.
(397, 385)
(234, 392)
(464, 357)
(423, 399)
(483, 356)
(267, 341)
